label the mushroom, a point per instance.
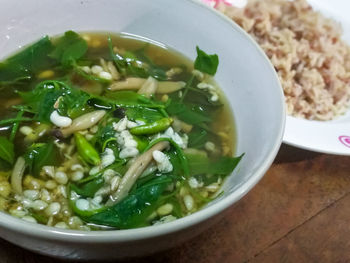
(164, 87)
(83, 122)
(149, 87)
(135, 170)
(17, 175)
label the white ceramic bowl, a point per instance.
(244, 73)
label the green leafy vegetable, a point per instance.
(39, 155)
(6, 150)
(203, 98)
(69, 48)
(26, 63)
(88, 189)
(74, 102)
(136, 64)
(104, 135)
(39, 217)
(153, 70)
(186, 114)
(206, 63)
(117, 59)
(41, 100)
(197, 137)
(13, 120)
(134, 209)
(187, 87)
(201, 164)
(84, 214)
(15, 126)
(144, 114)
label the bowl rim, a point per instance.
(66, 235)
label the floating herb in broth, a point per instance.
(107, 131)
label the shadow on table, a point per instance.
(289, 154)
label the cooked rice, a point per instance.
(312, 61)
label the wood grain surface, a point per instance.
(299, 212)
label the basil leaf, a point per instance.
(197, 138)
(119, 61)
(136, 64)
(191, 115)
(103, 135)
(6, 150)
(200, 164)
(24, 64)
(88, 189)
(134, 209)
(39, 155)
(73, 101)
(146, 114)
(206, 63)
(42, 98)
(45, 105)
(69, 48)
(153, 70)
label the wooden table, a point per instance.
(299, 212)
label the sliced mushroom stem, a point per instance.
(83, 122)
(113, 70)
(149, 87)
(134, 172)
(17, 175)
(128, 84)
(179, 125)
(164, 87)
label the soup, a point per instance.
(105, 131)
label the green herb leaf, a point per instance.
(191, 115)
(134, 209)
(118, 59)
(206, 63)
(88, 189)
(156, 71)
(40, 100)
(200, 164)
(104, 134)
(203, 98)
(73, 103)
(136, 64)
(39, 155)
(69, 48)
(6, 150)
(197, 138)
(144, 114)
(24, 64)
